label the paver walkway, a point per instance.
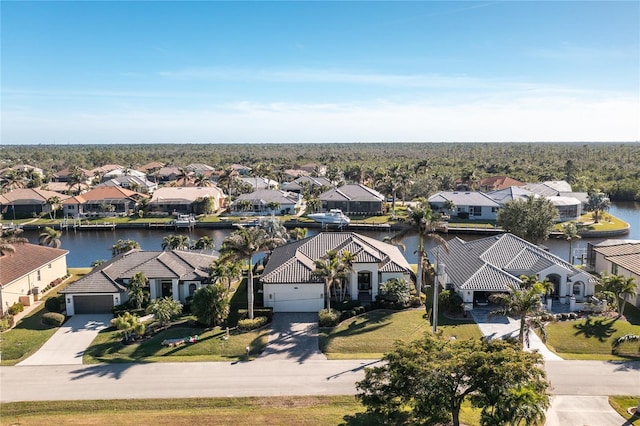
(67, 345)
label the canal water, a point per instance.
(85, 247)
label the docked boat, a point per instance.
(184, 221)
(332, 217)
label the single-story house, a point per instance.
(288, 284)
(258, 202)
(122, 172)
(616, 257)
(139, 184)
(63, 175)
(511, 193)
(314, 169)
(200, 169)
(353, 199)
(466, 205)
(27, 202)
(175, 274)
(309, 182)
(257, 183)
(549, 188)
(104, 200)
(28, 270)
(150, 168)
(182, 199)
(569, 207)
(476, 269)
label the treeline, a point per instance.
(610, 167)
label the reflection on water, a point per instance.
(87, 246)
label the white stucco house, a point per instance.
(476, 269)
(616, 257)
(467, 205)
(25, 272)
(176, 274)
(288, 284)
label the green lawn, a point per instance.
(591, 338)
(372, 334)
(622, 403)
(29, 334)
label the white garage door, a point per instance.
(306, 297)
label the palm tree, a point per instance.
(298, 233)
(75, 178)
(136, 289)
(420, 218)
(202, 180)
(597, 202)
(332, 268)
(203, 243)
(50, 237)
(54, 204)
(242, 244)
(8, 238)
(523, 302)
(570, 232)
(175, 242)
(124, 246)
(225, 179)
(623, 287)
(12, 179)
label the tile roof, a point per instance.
(352, 192)
(625, 255)
(31, 196)
(464, 198)
(107, 278)
(294, 262)
(187, 194)
(265, 196)
(490, 263)
(26, 258)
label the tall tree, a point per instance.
(50, 237)
(210, 304)
(523, 302)
(136, 289)
(333, 268)
(531, 219)
(570, 232)
(298, 233)
(123, 246)
(597, 203)
(175, 242)
(427, 381)
(8, 238)
(623, 287)
(165, 310)
(242, 244)
(202, 180)
(203, 243)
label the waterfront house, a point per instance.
(353, 199)
(616, 257)
(466, 205)
(27, 202)
(175, 274)
(476, 269)
(103, 201)
(134, 183)
(267, 201)
(256, 183)
(27, 271)
(182, 199)
(289, 286)
(310, 183)
(496, 183)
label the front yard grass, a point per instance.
(29, 334)
(591, 338)
(281, 410)
(622, 403)
(372, 334)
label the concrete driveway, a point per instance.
(68, 344)
(294, 337)
(572, 410)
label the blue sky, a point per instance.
(227, 72)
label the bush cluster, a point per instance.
(345, 305)
(352, 313)
(126, 307)
(247, 324)
(53, 318)
(54, 303)
(257, 312)
(6, 322)
(16, 308)
(328, 318)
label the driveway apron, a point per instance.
(68, 344)
(294, 337)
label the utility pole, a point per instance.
(438, 270)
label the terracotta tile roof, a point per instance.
(294, 262)
(26, 258)
(111, 193)
(499, 182)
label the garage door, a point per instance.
(93, 304)
(284, 302)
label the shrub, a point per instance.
(251, 324)
(396, 291)
(450, 302)
(257, 312)
(345, 305)
(53, 318)
(328, 317)
(54, 303)
(415, 302)
(16, 308)
(6, 322)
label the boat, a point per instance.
(332, 217)
(184, 221)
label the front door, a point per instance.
(167, 289)
(364, 286)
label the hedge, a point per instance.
(251, 324)
(16, 308)
(257, 312)
(53, 318)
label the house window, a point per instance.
(364, 281)
(577, 289)
(49, 266)
(494, 209)
(38, 275)
(614, 269)
(192, 289)
(475, 211)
